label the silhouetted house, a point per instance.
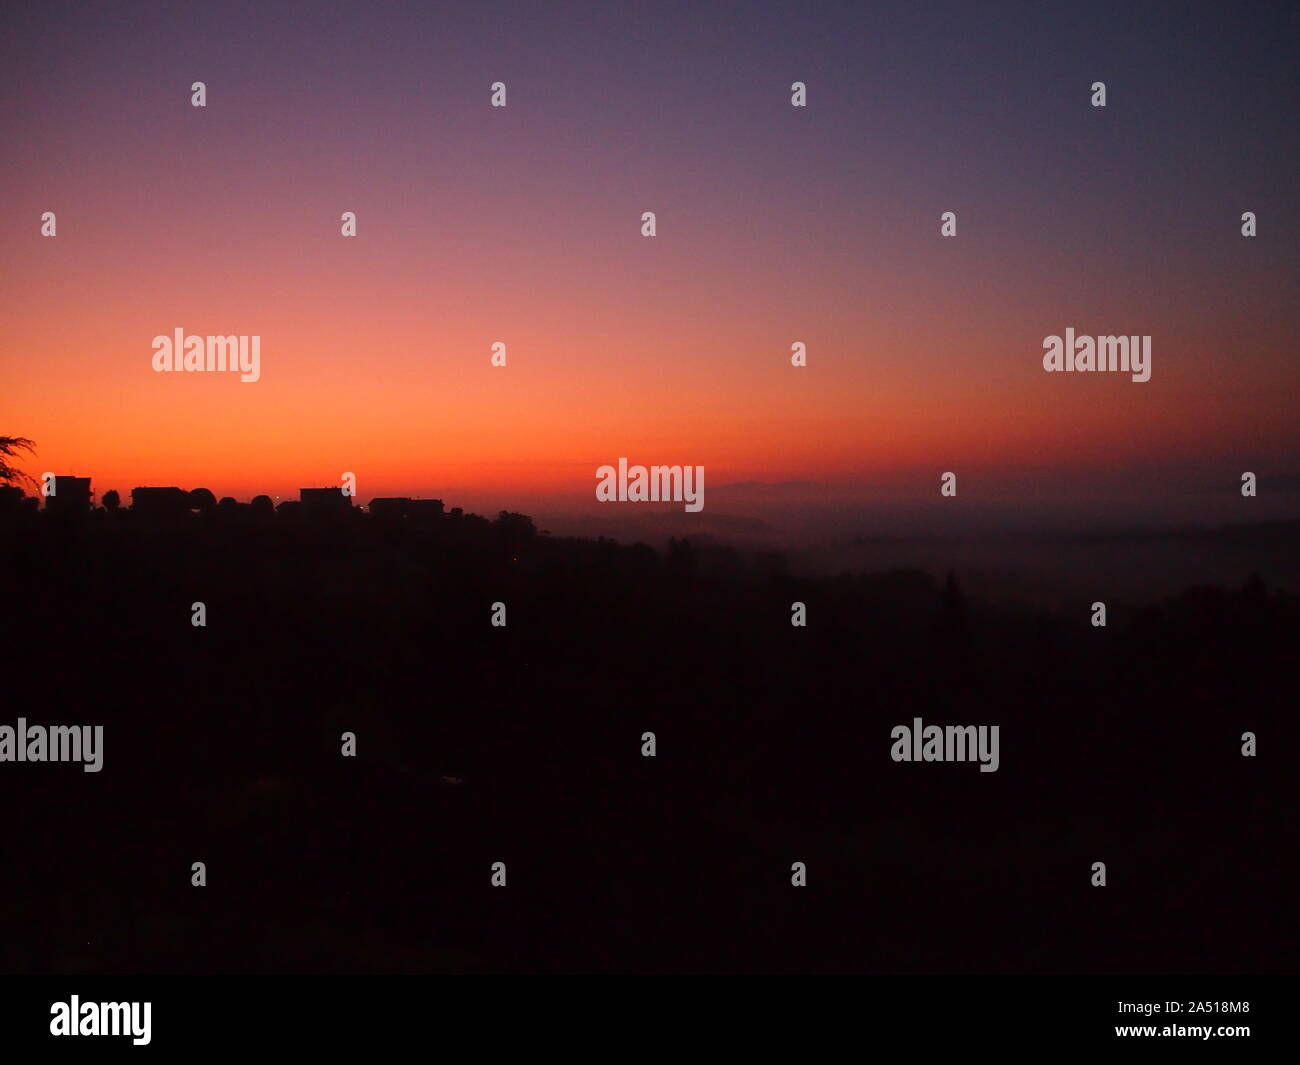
(388, 508)
(402, 507)
(160, 502)
(71, 494)
(323, 500)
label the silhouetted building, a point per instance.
(71, 494)
(201, 499)
(11, 497)
(323, 500)
(160, 502)
(403, 507)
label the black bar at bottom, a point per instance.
(612, 1015)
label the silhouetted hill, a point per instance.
(522, 744)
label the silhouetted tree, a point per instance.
(112, 500)
(681, 557)
(953, 598)
(263, 505)
(515, 529)
(9, 448)
(202, 499)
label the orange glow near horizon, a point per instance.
(419, 411)
(924, 354)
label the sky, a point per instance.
(775, 225)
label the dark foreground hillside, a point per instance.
(478, 744)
